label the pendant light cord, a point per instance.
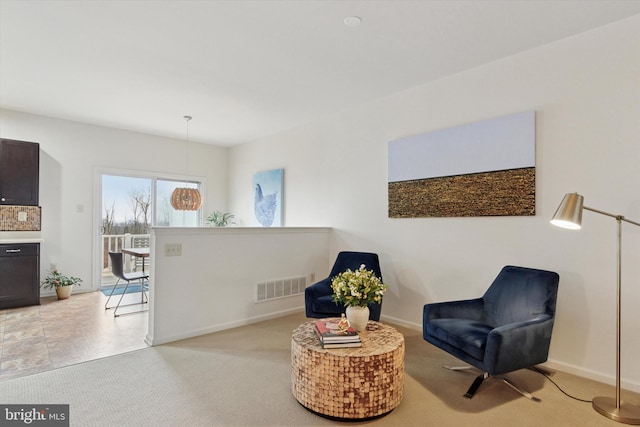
(188, 119)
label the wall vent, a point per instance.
(280, 288)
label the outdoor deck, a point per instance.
(114, 243)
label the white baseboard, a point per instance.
(592, 375)
(401, 322)
(153, 341)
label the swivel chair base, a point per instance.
(480, 378)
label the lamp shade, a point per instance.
(569, 213)
(186, 199)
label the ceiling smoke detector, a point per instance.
(352, 21)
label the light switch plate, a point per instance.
(173, 249)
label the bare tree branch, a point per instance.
(141, 203)
(108, 219)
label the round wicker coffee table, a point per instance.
(348, 383)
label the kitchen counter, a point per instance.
(10, 241)
(11, 237)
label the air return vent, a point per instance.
(280, 288)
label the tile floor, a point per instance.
(61, 333)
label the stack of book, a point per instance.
(331, 336)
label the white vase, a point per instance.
(358, 317)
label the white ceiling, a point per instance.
(247, 69)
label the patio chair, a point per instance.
(141, 241)
(117, 268)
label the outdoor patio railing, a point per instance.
(115, 242)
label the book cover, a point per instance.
(328, 331)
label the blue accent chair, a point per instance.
(507, 329)
(318, 298)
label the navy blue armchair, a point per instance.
(318, 298)
(507, 329)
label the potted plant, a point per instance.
(62, 284)
(355, 290)
(220, 219)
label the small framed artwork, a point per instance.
(267, 197)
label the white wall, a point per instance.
(212, 285)
(71, 152)
(586, 92)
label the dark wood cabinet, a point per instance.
(19, 275)
(19, 172)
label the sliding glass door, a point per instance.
(130, 204)
(166, 215)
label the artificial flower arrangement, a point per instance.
(357, 288)
(55, 279)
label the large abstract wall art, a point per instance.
(478, 169)
(267, 197)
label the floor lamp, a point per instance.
(569, 215)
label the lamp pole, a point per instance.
(610, 408)
(569, 215)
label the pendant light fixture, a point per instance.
(184, 198)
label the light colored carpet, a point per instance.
(241, 377)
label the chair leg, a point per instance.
(144, 289)
(115, 312)
(480, 378)
(458, 368)
(106, 307)
(475, 385)
(521, 391)
(144, 299)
